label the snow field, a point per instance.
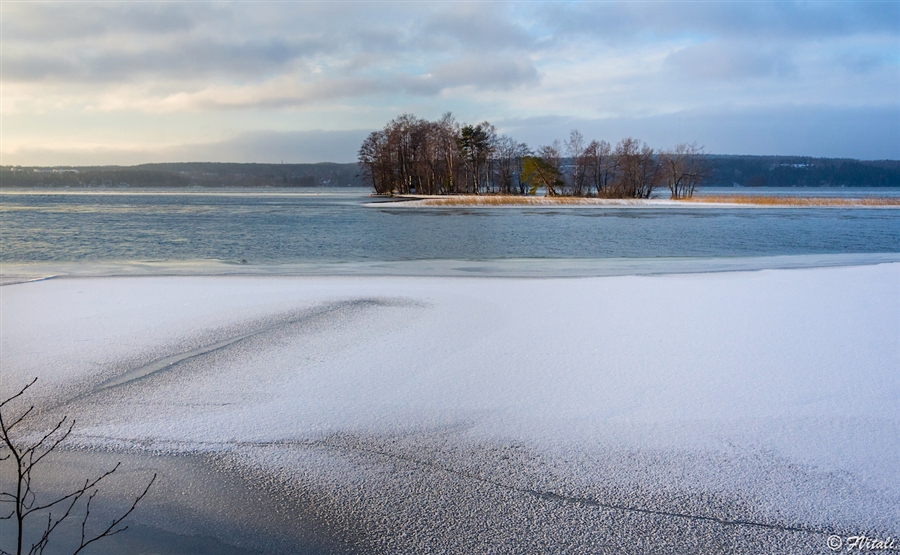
(767, 396)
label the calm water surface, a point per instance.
(282, 227)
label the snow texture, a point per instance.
(495, 415)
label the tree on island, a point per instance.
(637, 169)
(578, 154)
(538, 172)
(476, 146)
(25, 453)
(684, 168)
(443, 157)
(509, 156)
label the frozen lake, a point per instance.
(633, 414)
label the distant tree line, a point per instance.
(515, 172)
(188, 174)
(446, 157)
(802, 171)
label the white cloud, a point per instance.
(723, 60)
(248, 67)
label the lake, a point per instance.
(295, 231)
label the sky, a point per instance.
(89, 83)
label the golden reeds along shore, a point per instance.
(795, 201)
(719, 200)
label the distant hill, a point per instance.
(743, 171)
(190, 174)
(796, 171)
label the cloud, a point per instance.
(296, 147)
(110, 42)
(821, 131)
(476, 27)
(616, 21)
(286, 92)
(49, 23)
(859, 60)
(788, 130)
(189, 59)
(730, 60)
(316, 48)
(79, 68)
(481, 73)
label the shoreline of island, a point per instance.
(718, 201)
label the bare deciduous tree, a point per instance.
(371, 162)
(637, 169)
(444, 157)
(600, 167)
(577, 152)
(25, 454)
(447, 131)
(506, 152)
(684, 168)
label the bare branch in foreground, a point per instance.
(26, 456)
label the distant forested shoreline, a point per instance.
(726, 171)
(184, 175)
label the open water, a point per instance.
(339, 230)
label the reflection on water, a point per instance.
(337, 226)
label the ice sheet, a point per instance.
(780, 386)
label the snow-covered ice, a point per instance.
(451, 414)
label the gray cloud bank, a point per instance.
(864, 133)
(296, 147)
(817, 78)
(124, 41)
(189, 42)
(851, 133)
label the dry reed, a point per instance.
(750, 200)
(515, 200)
(796, 201)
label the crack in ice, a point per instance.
(173, 360)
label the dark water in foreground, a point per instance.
(283, 227)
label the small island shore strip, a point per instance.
(702, 201)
